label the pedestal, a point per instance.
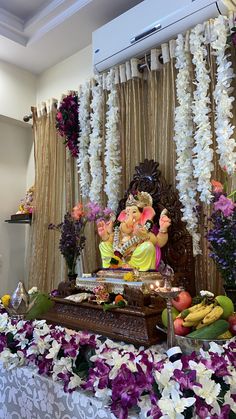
(135, 325)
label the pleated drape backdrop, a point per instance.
(146, 107)
(54, 194)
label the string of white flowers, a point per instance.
(183, 138)
(226, 146)
(203, 152)
(112, 148)
(95, 147)
(84, 138)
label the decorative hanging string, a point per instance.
(183, 138)
(203, 152)
(226, 146)
(84, 139)
(112, 147)
(95, 147)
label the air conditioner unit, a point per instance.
(147, 25)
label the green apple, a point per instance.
(164, 315)
(227, 304)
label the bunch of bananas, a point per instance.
(201, 315)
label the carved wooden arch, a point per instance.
(178, 251)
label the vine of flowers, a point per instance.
(203, 152)
(186, 184)
(85, 129)
(95, 147)
(125, 378)
(112, 147)
(226, 145)
(67, 122)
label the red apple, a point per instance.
(182, 301)
(232, 324)
(179, 328)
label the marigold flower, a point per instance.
(6, 300)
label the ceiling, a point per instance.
(36, 34)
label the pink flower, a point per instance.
(217, 186)
(225, 205)
(59, 116)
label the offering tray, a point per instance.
(113, 284)
(119, 273)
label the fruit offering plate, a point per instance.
(189, 345)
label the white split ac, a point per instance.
(147, 25)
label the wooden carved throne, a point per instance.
(178, 251)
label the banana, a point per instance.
(214, 315)
(189, 324)
(199, 314)
(196, 307)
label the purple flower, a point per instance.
(44, 365)
(67, 123)
(3, 342)
(224, 413)
(202, 408)
(93, 211)
(70, 348)
(218, 364)
(54, 293)
(186, 379)
(225, 205)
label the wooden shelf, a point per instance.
(20, 219)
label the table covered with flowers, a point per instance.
(47, 369)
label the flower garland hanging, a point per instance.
(67, 122)
(84, 122)
(186, 184)
(112, 150)
(226, 146)
(95, 147)
(203, 152)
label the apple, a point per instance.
(164, 315)
(179, 328)
(232, 324)
(182, 301)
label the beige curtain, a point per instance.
(147, 107)
(54, 194)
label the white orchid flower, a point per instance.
(173, 405)
(209, 390)
(75, 381)
(62, 365)
(33, 290)
(3, 322)
(163, 377)
(53, 351)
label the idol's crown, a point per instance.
(141, 200)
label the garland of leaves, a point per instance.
(67, 122)
(112, 148)
(186, 183)
(226, 145)
(95, 147)
(85, 129)
(202, 159)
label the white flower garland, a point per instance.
(226, 146)
(186, 184)
(84, 122)
(202, 160)
(95, 147)
(112, 150)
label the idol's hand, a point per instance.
(164, 221)
(104, 229)
(141, 232)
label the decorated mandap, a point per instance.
(131, 311)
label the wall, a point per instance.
(64, 76)
(15, 149)
(17, 91)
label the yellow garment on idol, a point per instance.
(143, 257)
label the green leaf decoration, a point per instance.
(42, 304)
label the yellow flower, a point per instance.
(129, 276)
(6, 300)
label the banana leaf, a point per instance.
(40, 305)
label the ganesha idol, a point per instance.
(129, 242)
